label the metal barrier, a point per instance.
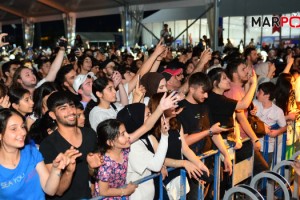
(281, 181)
(182, 179)
(243, 189)
(216, 184)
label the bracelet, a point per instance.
(257, 140)
(122, 192)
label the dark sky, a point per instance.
(54, 30)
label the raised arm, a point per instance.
(56, 64)
(159, 50)
(204, 58)
(247, 99)
(1, 40)
(165, 104)
(290, 62)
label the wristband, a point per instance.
(257, 140)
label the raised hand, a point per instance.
(205, 57)
(72, 154)
(117, 78)
(1, 40)
(165, 126)
(4, 101)
(160, 49)
(253, 77)
(138, 92)
(61, 161)
(169, 102)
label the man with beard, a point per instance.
(239, 74)
(251, 57)
(195, 120)
(74, 182)
(24, 76)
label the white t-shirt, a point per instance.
(98, 114)
(140, 162)
(41, 82)
(270, 116)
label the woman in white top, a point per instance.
(142, 159)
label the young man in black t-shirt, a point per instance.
(195, 120)
(74, 183)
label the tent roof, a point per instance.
(11, 11)
(228, 8)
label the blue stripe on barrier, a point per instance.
(216, 176)
(182, 184)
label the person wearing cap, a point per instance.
(173, 77)
(83, 86)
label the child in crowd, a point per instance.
(105, 92)
(113, 142)
(271, 115)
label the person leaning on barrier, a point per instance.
(239, 75)
(196, 122)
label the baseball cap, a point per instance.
(79, 80)
(168, 73)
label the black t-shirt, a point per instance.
(195, 118)
(55, 144)
(174, 152)
(221, 109)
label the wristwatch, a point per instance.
(210, 133)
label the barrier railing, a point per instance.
(216, 183)
(182, 179)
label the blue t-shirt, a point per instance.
(23, 182)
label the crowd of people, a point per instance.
(83, 123)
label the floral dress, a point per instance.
(112, 172)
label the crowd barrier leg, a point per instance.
(275, 152)
(201, 188)
(266, 147)
(161, 191)
(217, 176)
(182, 184)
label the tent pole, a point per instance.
(216, 24)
